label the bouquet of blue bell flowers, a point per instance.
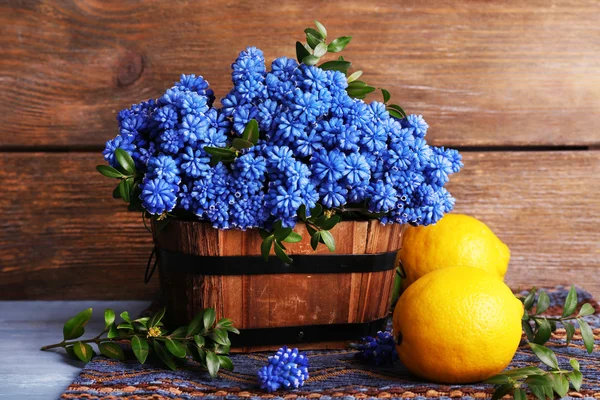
(296, 143)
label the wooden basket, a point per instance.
(282, 306)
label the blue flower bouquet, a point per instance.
(296, 143)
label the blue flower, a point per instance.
(171, 96)
(306, 145)
(230, 103)
(279, 157)
(418, 124)
(305, 106)
(378, 350)
(185, 196)
(288, 128)
(158, 196)
(243, 115)
(195, 84)
(452, 155)
(163, 167)
(383, 197)
(193, 103)
(287, 369)
(421, 152)
(251, 88)
(374, 137)
(133, 125)
(266, 111)
(328, 166)
(218, 213)
(166, 117)
(439, 169)
(283, 67)
(378, 112)
(200, 195)
(194, 162)
(283, 201)
(119, 142)
(312, 78)
(250, 167)
(356, 169)
(337, 82)
(170, 141)
(332, 195)
(193, 128)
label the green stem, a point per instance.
(96, 340)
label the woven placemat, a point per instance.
(333, 373)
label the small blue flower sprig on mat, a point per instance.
(287, 369)
(378, 350)
(296, 143)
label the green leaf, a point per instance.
(280, 252)
(220, 336)
(240, 143)
(164, 355)
(293, 237)
(570, 302)
(316, 210)
(74, 327)
(574, 363)
(530, 299)
(116, 194)
(125, 190)
(315, 33)
(502, 391)
(397, 108)
(143, 321)
(321, 29)
(545, 355)
(209, 318)
(320, 50)
(354, 76)
(543, 333)
(386, 95)
(528, 330)
(301, 213)
(395, 114)
(212, 363)
(500, 379)
(112, 332)
(111, 350)
(282, 233)
(339, 44)
(576, 379)
(179, 333)
(232, 329)
(125, 316)
(200, 342)
(520, 394)
(251, 132)
(331, 222)
(176, 348)
(310, 60)
(543, 303)
(313, 37)
(71, 352)
(83, 351)
(124, 325)
(587, 335)
(109, 172)
(526, 371)
(265, 247)
(156, 318)
(109, 317)
(560, 385)
(225, 362)
(315, 239)
(196, 324)
(586, 309)
(359, 91)
(341, 66)
(328, 239)
(140, 348)
(220, 152)
(570, 329)
(125, 161)
(301, 51)
(540, 385)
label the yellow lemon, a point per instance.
(457, 325)
(457, 240)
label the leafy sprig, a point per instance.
(318, 224)
(228, 154)
(129, 179)
(204, 339)
(538, 328)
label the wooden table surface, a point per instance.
(515, 85)
(25, 326)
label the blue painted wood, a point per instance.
(25, 326)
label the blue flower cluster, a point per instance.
(317, 145)
(287, 369)
(379, 350)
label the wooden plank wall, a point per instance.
(514, 84)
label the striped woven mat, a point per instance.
(333, 374)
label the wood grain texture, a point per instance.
(482, 72)
(278, 300)
(62, 236)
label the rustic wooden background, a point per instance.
(514, 84)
